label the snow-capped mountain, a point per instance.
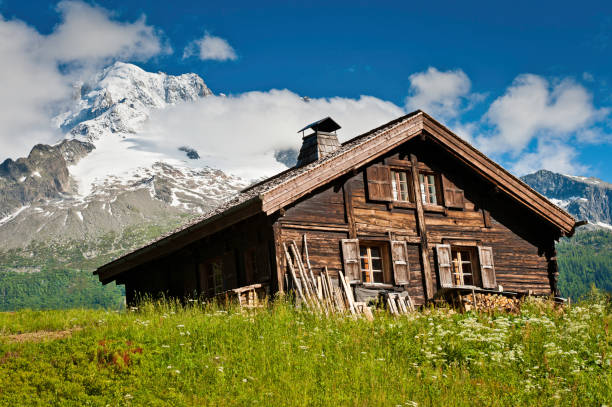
(586, 198)
(102, 178)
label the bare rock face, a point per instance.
(44, 198)
(43, 174)
(586, 198)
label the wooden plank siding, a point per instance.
(326, 217)
(184, 274)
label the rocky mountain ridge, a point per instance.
(89, 184)
(586, 198)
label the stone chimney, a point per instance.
(320, 143)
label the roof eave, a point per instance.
(110, 271)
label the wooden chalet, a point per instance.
(408, 207)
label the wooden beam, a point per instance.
(278, 245)
(347, 192)
(295, 224)
(422, 229)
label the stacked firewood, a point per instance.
(318, 293)
(490, 302)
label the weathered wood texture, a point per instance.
(245, 252)
(505, 226)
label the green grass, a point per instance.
(166, 354)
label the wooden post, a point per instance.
(278, 245)
(422, 228)
(553, 270)
(348, 208)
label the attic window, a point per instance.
(429, 188)
(400, 185)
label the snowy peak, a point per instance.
(120, 98)
(586, 198)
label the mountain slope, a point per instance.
(586, 198)
(102, 178)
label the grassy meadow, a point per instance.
(166, 354)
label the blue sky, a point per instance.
(528, 82)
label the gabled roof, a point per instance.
(287, 187)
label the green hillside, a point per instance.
(58, 275)
(173, 356)
(585, 260)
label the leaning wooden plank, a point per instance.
(347, 292)
(292, 271)
(304, 282)
(402, 305)
(333, 292)
(308, 285)
(319, 288)
(367, 313)
(409, 302)
(350, 290)
(390, 306)
(307, 257)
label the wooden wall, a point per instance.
(185, 272)
(342, 210)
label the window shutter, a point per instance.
(379, 183)
(350, 255)
(453, 196)
(401, 268)
(445, 266)
(487, 269)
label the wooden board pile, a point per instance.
(398, 304)
(490, 302)
(250, 296)
(318, 293)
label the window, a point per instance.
(371, 264)
(215, 277)
(464, 265)
(429, 190)
(400, 185)
(462, 269)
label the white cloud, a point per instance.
(441, 93)
(551, 155)
(89, 33)
(34, 88)
(240, 133)
(210, 47)
(533, 107)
